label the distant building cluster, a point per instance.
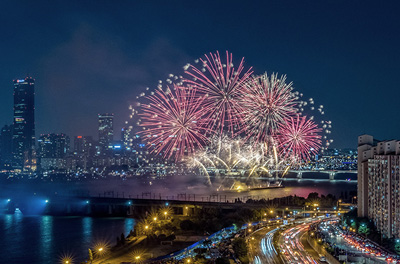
(379, 183)
(22, 153)
(334, 159)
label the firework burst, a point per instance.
(267, 102)
(219, 83)
(229, 124)
(299, 138)
(173, 122)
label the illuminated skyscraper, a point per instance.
(126, 138)
(6, 147)
(52, 150)
(53, 145)
(23, 140)
(84, 146)
(106, 131)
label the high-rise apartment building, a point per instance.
(379, 183)
(6, 147)
(23, 140)
(106, 132)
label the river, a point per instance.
(44, 239)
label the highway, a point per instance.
(352, 246)
(295, 248)
(261, 248)
(292, 242)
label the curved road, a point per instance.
(261, 248)
(294, 246)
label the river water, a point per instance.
(44, 239)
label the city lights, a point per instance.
(209, 132)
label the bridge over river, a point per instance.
(330, 173)
(130, 207)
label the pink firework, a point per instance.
(299, 138)
(219, 83)
(172, 122)
(267, 102)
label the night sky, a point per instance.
(90, 57)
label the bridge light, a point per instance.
(8, 200)
(87, 202)
(47, 201)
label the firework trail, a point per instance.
(266, 103)
(173, 122)
(219, 83)
(229, 124)
(299, 138)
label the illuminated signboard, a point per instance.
(19, 119)
(19, 81)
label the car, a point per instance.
(322, 258)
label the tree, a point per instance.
(222, 261)
(122, 239)
(90, 259)
(187, 225)
(240, 247)
(312, 196)
(364, 229)
(397, 246)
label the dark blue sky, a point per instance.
(90, 57)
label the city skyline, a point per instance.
(207, 132)
(72, 61)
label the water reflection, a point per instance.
(46, 236)
(8, 221)
(87, 230)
